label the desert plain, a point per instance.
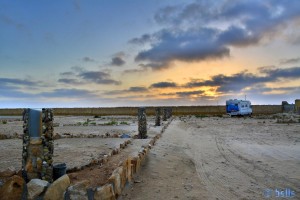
(196, 157)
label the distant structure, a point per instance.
(169, 112)
(165, 117)
(142, 123)
(235, 107)
(37, 144)
(157, 116)
(286, 107)
(297, 106)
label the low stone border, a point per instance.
(61, 188)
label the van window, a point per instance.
(246, 105)
(242, 106)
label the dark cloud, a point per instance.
(276, 73)
(187, 94)
(67, 73)
(117, 61)
(98, 77)
(263, 90)
(8, 91)
(88, 59)
(68, 93)
(14, 81)
(79, 75)
(163, 85)
(290, 61)
(138, 89)
(155, 65)
(130, 71)
(190, 93)
(186, 46)
(141, 40)
(237, 36)
(69, 81)
(130, 90)
(239, 81)
(190, 33)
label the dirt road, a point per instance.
(221, 158)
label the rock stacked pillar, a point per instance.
(157, 116)
(169, 113)
(37, 144)
(164, 114)
(142, 123)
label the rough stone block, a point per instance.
(105, 192)
(13, 188)
(122, 172)
(115, 180)
(129, 169)
(36, 187)
(79, 190)
(136, 162)
(57, 188)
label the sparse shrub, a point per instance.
(111, 123)
(200, 116)
(78, 124)
(86, 123)
(4, 121)
(93, 123)
(97, 116)
(124, 123)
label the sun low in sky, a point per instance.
(147, 53)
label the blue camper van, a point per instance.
(235, 107)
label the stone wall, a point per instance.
(176, 110)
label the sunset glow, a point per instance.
(104, 53)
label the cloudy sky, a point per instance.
(151, 52)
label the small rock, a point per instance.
(57, 188)
(35, 187)
(13, 188)
(79, 190)
(105, 192)
(56, 136)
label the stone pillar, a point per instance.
(169, 113)
(37, 144)
(165, 114)
(142, 123)
(157, 116)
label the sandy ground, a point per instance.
(74, 125)
(221, 158)
(197, 158)
(75, 152)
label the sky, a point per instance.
(109, 53)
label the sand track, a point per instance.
(234, 158)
